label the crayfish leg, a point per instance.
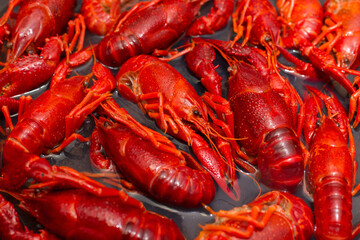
(11, 105)
(76, 33)
(113, 111)
(251, 220)
(54, 176)
(67, 141)
(238, 18)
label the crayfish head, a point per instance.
(192, 110)
(346, 51)
(197, 119)
(188, 106)
(194, 115)
(345, 60)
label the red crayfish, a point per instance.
(330, 166)
(35, 22)
(262, 25)
(135, 34)
(29, 72)
(265, 108)
(101, 16)
(302, 21)
(155, 25)
(342, 19)
(45, 124)
(165, 95)
(164, 175)
(77, 214)
(25, 73)
(274, 215)
(126, 142)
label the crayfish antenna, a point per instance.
(114, 179)
(356, 231)
(173, 53)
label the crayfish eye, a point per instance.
(196, 112)
(30, 51)
(318, 123)
(346, 61)
(267, 38)
(9, 44)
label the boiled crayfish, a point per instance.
(165, 95)
(35, 22)
(304, 35)
(74, 214)
(274, 215)
(153, 25)
(345, 42)
(330, 165)
(135, 34)
(265, 109)
(42, 126)
(259, 20)
(164, 175)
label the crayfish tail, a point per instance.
(332, 204)
(284, 168)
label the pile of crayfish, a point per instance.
(179, 119)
